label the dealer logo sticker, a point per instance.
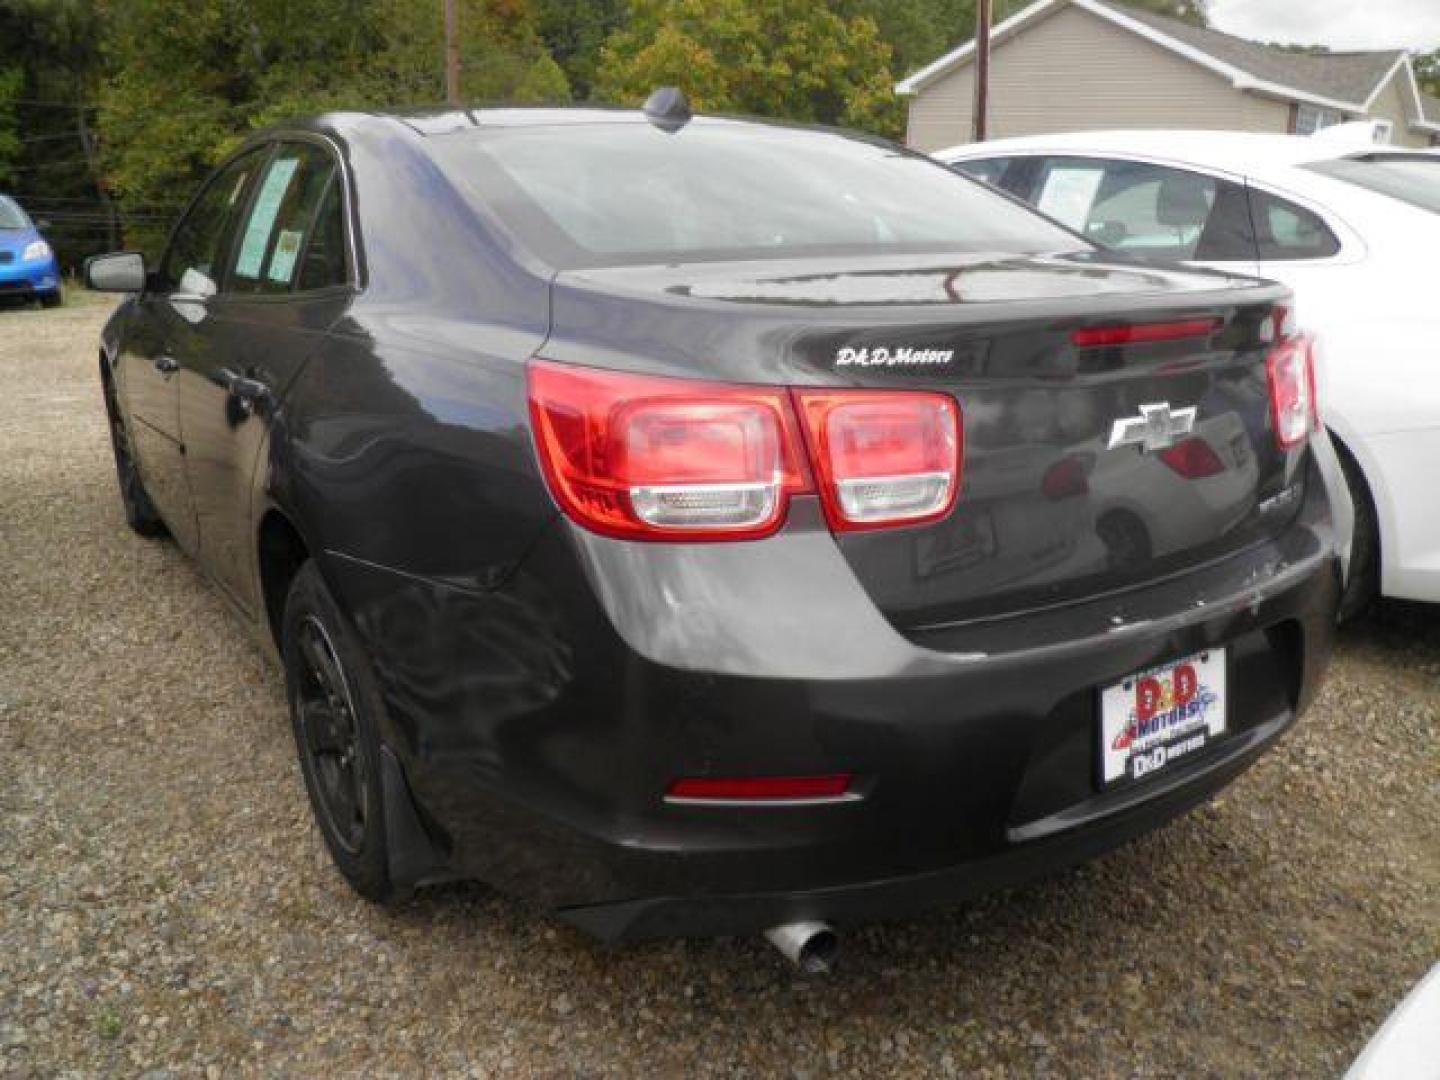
(882, 356)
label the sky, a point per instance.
(1340, 24)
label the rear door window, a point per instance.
(1286, 232)
(990, 170)
(284, 213)
(1146, 210)
(323, 265)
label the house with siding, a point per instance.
(1073, 65)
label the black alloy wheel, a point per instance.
(335, 710)
(330, 737)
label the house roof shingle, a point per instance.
(1341, 79)
(1349, 77)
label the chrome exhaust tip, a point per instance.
(811, 946)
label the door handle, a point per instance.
(166, 364)
(249, 392)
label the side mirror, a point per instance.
(122, 272)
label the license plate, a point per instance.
(1161, 716)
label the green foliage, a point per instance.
(785, 58)
(112, 110)
(12, 81)
(1191, 11)
(574, 33)
(53, 44)
(1427, 71)
(190, 81)
(920, 30)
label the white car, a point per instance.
(1353, 229)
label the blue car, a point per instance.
(27, 262)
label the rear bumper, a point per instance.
(911, 894)
(539, 725)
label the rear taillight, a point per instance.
(642, 457)
(882, 457)
(650, 458)
(1193, 458)
(1290, 371)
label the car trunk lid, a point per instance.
(1096, 458)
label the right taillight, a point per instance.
(1290, 372)
(882, 457)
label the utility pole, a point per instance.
(982, 69)
(452, 55)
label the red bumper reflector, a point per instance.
(1140, 333)
(759, 788)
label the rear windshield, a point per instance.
(11, 216)
(627, 193)
(1415, 180)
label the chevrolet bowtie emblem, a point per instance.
(1157, 427)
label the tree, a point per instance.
(12, 81)
(575, 31)
(49, 49)
(190, 80)
(920, 30)
(1427, 71)
(1193, 12)
(797, 59)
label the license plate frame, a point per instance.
(1155, 718)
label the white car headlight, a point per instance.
(35, 251)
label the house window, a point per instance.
(1311, 118)
(1384, 132)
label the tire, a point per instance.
(1363, 585)
(52, 299)
(140, 512)
(335, 711)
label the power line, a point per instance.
(48, 138)
(49, 165)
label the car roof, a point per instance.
(443, 121)
(1216, 148)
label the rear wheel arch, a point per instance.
(1368, 544)
(281, 550)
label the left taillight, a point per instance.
(1290, 372)
(651, 458)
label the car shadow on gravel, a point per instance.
(1398, 629)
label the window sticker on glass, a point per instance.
(1068, 195)
(282, 262)
(262, 217)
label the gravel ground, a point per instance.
(166, 905)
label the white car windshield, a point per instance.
(1413, 179)
(11, 216)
